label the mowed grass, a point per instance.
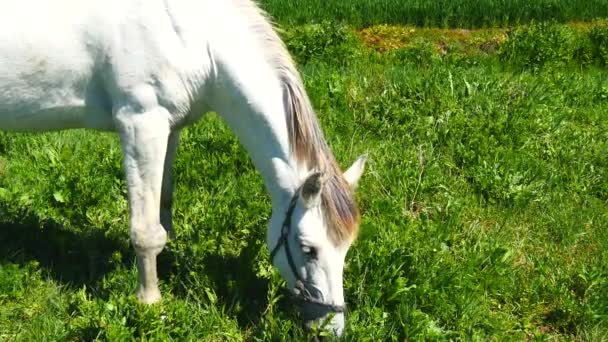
(437, 13)
(484, 203)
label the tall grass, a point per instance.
(436, 13)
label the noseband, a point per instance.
(302, 294)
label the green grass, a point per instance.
(485, 204)
(442, 13)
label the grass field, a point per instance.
(437, 13)
(485, 203)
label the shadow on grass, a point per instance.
(71, 258)
(238, 287)
(84, 258)
(231, 278)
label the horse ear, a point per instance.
(311, 190)
(354, 172)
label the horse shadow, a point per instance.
(70, 258)
(231, 278)
(83, 258)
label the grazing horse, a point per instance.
(147, 68)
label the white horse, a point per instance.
(147, 68)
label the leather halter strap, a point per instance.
(303, 293)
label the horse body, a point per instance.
(145, 69)
(45, 70)
(70, 63)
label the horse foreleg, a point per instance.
(166, 196)
(144, 137)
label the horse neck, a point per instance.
(251, 102)
(249, 94)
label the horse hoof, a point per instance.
(148, 296)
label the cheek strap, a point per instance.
(301, 292)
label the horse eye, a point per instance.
(310, 252)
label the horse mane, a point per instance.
(306, 138)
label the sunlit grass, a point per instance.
(484, 205)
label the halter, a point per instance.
(302, 294)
